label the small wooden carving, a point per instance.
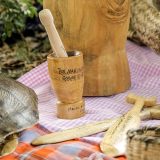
(150, 112)
(116, 135)
(67, 78)
(98, 29)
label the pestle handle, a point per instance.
(46, 19)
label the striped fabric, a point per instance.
(145, 75)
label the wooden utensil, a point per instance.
(116, 135)
(91, 128)
(77, 132)
(55, 41)
(66, 73)
(67, 79)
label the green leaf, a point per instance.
(13, 15)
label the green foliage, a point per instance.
(40, 1)
(13, 15)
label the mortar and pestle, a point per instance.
(99, 29)
(66, 72)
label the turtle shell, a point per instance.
(18, 107)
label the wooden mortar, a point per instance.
(143, 144)
(67, 78)
(98, 29)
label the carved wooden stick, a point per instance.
(55, 41)
(150, 113)
(73, 133)
(131, 120)
(86, 130)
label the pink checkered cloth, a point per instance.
(145, 76)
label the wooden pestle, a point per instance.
(55, 41)
(66, 73)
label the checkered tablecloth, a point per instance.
(145, 76)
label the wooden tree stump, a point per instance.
(99, 29)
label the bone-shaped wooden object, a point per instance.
(131, 120)
(91, 128)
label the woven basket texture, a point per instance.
(145, 23)
(143, 144)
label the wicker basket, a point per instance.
(143, 144)
(145, 23)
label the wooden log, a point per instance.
(98, 29)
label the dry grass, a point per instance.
(22, 56)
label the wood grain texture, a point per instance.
(67, 78)
(77, 132)
(46, 19)
(98, 29)
(114, 141)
